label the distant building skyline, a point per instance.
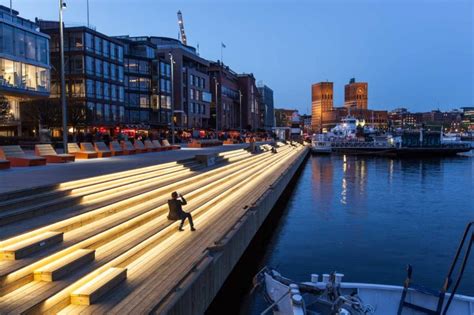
(424, 62)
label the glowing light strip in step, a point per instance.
(61, 225)
(132, 252)
(136, 249)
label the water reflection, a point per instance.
(368, 217)
(352, 174)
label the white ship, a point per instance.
(332, 296)
(347, 128)
(320, 144)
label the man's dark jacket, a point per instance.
(176, 211)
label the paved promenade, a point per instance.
(18, 178)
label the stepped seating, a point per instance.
(93, 290)
(102, 149)
(47, 151)
(64, 265)
(128, 148)
(15, 155)
(116, 149)
(150, 276)
(140, 147)
(74, 149)
(27, 247)
(138, 238)
(92, 195)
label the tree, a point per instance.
(5, 109)
(41, 114)
(77, 115)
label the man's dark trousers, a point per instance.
(185, 216)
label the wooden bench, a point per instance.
(47, 151)
(140, 147)
(127, 148)
(31, 245)
(61, 267)
(73, 148)
(150, 146)
(115, 148)
(88, 147)
(158, 145)
(204, 143)
(4, 164)
(102, 147)
(166, 144)
(207, 159)
(231, 141)
(17, 157)
(94, 289)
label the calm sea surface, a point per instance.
(368, 217)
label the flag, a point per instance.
(223, 45)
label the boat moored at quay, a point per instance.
(332, 296)
(344, 139)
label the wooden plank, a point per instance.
(29, 246)
(93, 290)
(196, 184)
(195, 249)
(229, 211)
(59, 268)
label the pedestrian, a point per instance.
(176, 211)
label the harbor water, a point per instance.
(369, 217)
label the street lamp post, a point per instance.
(62, 5)
(217, 110)
(172, 98)
(240, 110)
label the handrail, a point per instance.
(448, 279)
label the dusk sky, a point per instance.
(413, 53)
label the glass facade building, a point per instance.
(147, 84)
(95, 77)
(24, 68)
(267, 111)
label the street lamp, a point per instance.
(217, 123)
(172, 98)
(62, 5)
(240, 110)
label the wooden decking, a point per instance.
(118, 252)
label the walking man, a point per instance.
(176, 210)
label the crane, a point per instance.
(181, 28)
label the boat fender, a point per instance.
(297, 299)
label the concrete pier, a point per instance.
(115, 251)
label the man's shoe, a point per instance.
(180, 229)
(193, 229)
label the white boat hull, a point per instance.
(384, 298)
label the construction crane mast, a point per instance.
(181, 28)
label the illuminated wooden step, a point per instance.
(94, 289)
(31, 245)
(64, 265)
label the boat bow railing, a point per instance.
(458, 266)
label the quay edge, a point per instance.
(198, 288)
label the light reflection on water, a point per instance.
(368, 217)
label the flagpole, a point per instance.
(222, 58)
(88, 24)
